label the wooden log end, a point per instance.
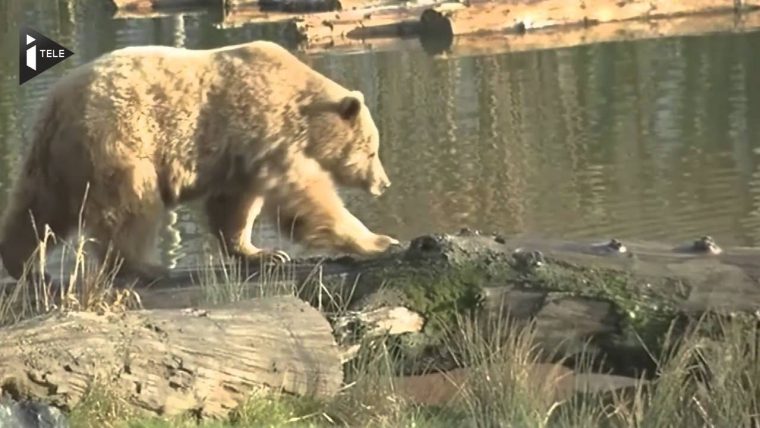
(173, 357)
(435, 23)
(436, 31)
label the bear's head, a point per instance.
(343, 138)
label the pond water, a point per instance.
(651, 140)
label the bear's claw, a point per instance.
(384, 243)
(277, 257)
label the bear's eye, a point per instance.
(372, 155)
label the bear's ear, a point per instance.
(349, 107)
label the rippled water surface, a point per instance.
(653, 140)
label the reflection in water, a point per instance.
(173, 234)
(173, 239)
(655, 140)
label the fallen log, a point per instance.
(685, 276)
(503, 42)
(552, 38)
(334, 28)
(555, 38)
(442, 22)
(522, 16)
(603, 33)
(171, 362)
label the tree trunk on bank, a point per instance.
(171, 362)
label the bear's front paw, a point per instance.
(384, 242)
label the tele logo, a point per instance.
(37, 53)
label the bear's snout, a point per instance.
(379, 181)
(380, 187)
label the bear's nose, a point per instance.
(386, 185)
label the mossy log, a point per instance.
(623, 302)
(169, 362)
(691, 277)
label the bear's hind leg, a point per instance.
(231, 219)
(31, 207)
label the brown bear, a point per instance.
(249, 128)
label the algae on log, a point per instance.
(171, 362)
(622, 300)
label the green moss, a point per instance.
(646, 309)
(438, 294)
(441, 292)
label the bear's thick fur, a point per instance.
(249, 128)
